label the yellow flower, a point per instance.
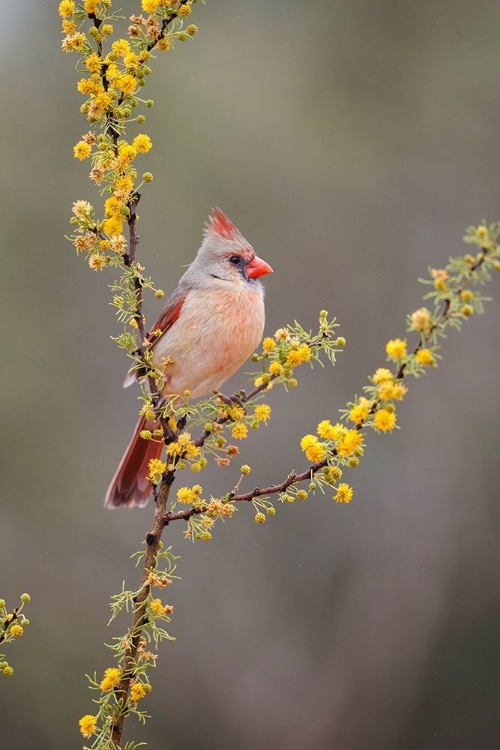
(186, 495)
(112, 206)
(185, 10)
(344, 493)
(66, 8)
(385, 420)
(396, 349)
(390, 390)
(17, 630)
(121, 47)
(124, 185)
(331, 432)
(113, 226)
(359, 413)
(275, 368)
(138, 691)
(315, 452)
(69, 27)
(91, 6)
(164, 44)
(82, 150)
(260, 518)
(156, 607)
(93, 63)
(348, 444)
(126, 152)
(262, 412)
(268, 345)
(126, 83)
(421, 319)
(156, 468)
(381, 375)
(88, 724)
(87, 86)
(425, 357)
(111, 678)
(142, 143)
(297, 356)
(239, 431)
(440, 276)
(150, 6)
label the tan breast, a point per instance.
(215, 334)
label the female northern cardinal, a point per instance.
(210, 325)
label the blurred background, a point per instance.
(352, 143)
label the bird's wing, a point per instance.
(169, 315)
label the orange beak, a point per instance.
(257, 267)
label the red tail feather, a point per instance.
(130, 485)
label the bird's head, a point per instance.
(226, 255)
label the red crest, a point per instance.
(219, 224)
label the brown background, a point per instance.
(352, 144)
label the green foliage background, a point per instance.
(352, 146)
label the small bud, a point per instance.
(312, 487)
(159, 294)
(353, 462)
(192, 29)
(323, 314)
(271, 511)
(301, 495)
(340, 341)
(245, 469)
(496, 265)
(293, 382)
(259, 518)
(8, 671)
(466, 295)
(147, 177)
(182, 36)
(141, 119)
(149, 103)
(467, 310)
(255, 357)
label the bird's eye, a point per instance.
(235, 259)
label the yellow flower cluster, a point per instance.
(314, 450)
(156, 468)
(112, 677)
(139, 690)
(189, 495)
(262, 412)
(331, 432)
(360, 411)
(396, 349)
(425, 357)
(183, 447)
(88, 723)
(157, 608)
(296, 356)
(344, 493)
(384, 420)
(349, 443)
(239, 431)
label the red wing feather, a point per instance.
(166, 319)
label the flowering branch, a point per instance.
(12, 625)
(113, 78)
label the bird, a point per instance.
(210, 325)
